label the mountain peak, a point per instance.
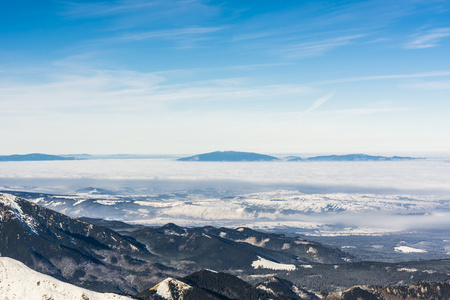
(171, 288)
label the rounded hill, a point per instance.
(229, 156)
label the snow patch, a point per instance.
(406, 249)
(300, 293)
(253, 241)
(302, 242)
(312, 250)
(106, 202)
(306, 266)
(134, 248)
(262, 263)
(407, 270)
(17, 281)
(79, 202)
(171, 232)
(11, 201)
(266, 289)
(259, 276)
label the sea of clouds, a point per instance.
(365, 198)
(412, 176)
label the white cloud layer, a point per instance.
(421, 176)
(429, 39)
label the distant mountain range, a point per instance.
(48, 157)
(249, 156)
(229, 156)
(34, 157)
(351, 157)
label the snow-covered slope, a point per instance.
(17, 281)
(171, 289)
(324, 213)
(84, 254)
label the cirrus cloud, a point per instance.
(429, 39)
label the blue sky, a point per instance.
(196, 76)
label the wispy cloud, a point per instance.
(347, 113)
(129, 14)
(353, 112)
(169, 33)
(429, 85)
(383, 77)
(319, 102)
(112, 91)
(429, 39)
(99, 9)
(317, 28)
(120, 7)
(317, 48)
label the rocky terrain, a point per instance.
(175, 262)
(84, 254)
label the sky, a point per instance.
(192, 76)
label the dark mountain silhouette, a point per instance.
(417, 291)
(351, 157)
(34, 157)
(229, 156)
(208, 284)
(225, 248)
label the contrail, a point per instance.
(320, 101)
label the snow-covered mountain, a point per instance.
(97, 258)
(17, 281)
(84, 254)
(212, 285)
(233, 249)
(321, 214)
